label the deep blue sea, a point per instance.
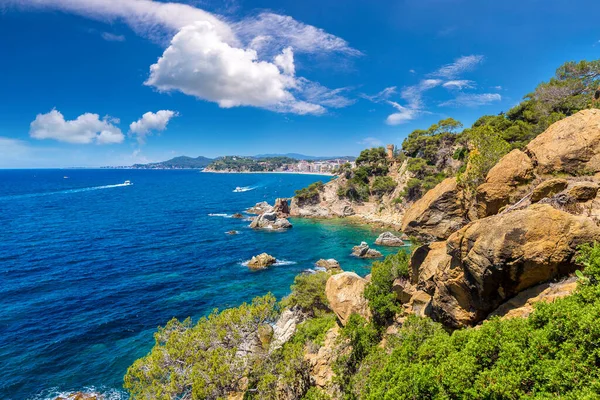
(90, 268)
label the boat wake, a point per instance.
(244, 189)
(67, 191)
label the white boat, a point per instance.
(238, 189)
(127, 183)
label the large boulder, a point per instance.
(281, 207)
(261, 261)
(389, 239)
(436, 215)
(503, 182)
(270, 220)
(364, 251)
(285, 326)
(260, 208)
(494, 258)
(330, 265)
(571, 145)
(425, 262)
(548, 189)
(322, 361)
(345, 295)
(584, 191)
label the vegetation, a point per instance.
(249, 164)
(368, 178)
(308, 293)
(382, 185)
(310, 193)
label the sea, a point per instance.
(90, 266)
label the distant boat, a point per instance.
(127, 183)
(65, 177)
(242, 189)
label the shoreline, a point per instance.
(269, 172)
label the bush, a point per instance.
(308, 293)
(310, 193)
(382, 185)
(382, 299)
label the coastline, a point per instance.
(269, 172)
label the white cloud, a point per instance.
(459, 66)
(149, 18)
(151, 122)
(381, 96)
(87, 128)
(403, 115)
(280, 31)
(414, 97)
(285, 61)
(314, 92)
(459, 84)
(111, 37)
(472, 100)
(371, 142)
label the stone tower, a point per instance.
(390, 151)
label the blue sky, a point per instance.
(116, 82)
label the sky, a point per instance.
(88, 83)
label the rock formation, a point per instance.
(281, 208)
(548, 189)
(269, 220)
(321, 362)
(389, 239)
(232, 232)
(237, 216)
(345, 295)
(285, 327)
(364, 251)
(330, 265)
(260, 208)
(437, 214)
(261, 261)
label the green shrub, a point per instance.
(315, 393)
(310, 193)
(382, 299)
(308, 293)
(382, 185)
(314, 330)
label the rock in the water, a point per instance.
(502, 183)
(364, 251)
(345, 295)
(548, 189)
(269, 220)
(232, 232)
(260, 208)
(494, 258)
(584, 191)
(330, 265)
(261, 261)
(389, 239)
(282, 207)
(436, 215)
(80, 396)
(571, 145)
(237, 216)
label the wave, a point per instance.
(278, 263)
(220, 215)
(67, 191)
(101, 393)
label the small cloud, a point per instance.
(371, 142)
(459, 66)
(381, 96)
(151, 122)
(497, 87)
(459, 84)
(85, 129)
(412, 71)
(403, 115)
(472, 100)
(111, 37)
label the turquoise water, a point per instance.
(89, 267)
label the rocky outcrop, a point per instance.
(260, 208)
(495, 258)
(80, 396)
(232, 232)
(237, 216)
(281, 208)
(570, 146)
(436, 215)
(330, 265)
(584, 191)
(389, 239)
(285, 326)
(364, 251)
(261, 261)
(419, 304)
(403, 290)
(270, 220)
(504, 183)
(548, 189)
(425, 262)
(321, 363)
(521, 306)
(345, 295)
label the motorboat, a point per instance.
(127, 183)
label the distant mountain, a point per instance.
(304, 157)
(182, 162)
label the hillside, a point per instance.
(182, 162)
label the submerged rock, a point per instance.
(330, 265)
(389, 239)
(345, 295)
(237, 216)
(232, 232)
(364, 251)
(261, 261)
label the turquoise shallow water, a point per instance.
(89, 268)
